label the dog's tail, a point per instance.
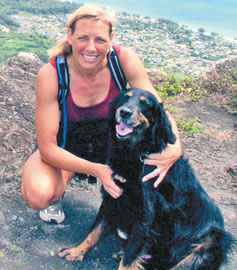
(209, 253)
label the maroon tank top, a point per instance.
(100, 110)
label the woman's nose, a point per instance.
(91, 45)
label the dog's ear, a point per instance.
(112, 111)
(161, 131)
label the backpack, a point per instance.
(64, 82)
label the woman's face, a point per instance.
(90, 42)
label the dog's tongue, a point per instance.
(123, 129)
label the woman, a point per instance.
(48, 170)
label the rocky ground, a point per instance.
(27, 243)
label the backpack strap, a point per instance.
(116, 70)
(64, 82)
(63, 86)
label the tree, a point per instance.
(201, 30)
(214, 34)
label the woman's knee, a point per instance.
(41, 185)
(38, 194)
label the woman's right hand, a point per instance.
(106, 176)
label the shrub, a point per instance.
(190, 127)
(176, 85)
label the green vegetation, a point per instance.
(180, 84)
(12, 43)
(177, 84)
(2, 254)
(45, 7)
(226, 85)
(7, 21)
(190, 127)
(171, 87)
(159, 55)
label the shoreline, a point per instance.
(164, 14)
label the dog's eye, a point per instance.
(143, 100)
(130, 94)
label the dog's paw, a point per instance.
(136, 265)
(117, 256)
(72, 254)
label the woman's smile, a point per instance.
(89, 58)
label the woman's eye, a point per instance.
(100, 40)
(82, 38)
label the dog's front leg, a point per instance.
(136, 265)
(78, 253)
(135, 252)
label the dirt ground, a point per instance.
(27, 243)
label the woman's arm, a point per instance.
(137, 77)
(47, 125)
(135, 72)
(166, 158)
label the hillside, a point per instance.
(160, 43)
(13, 41)
(27, 242)
(204, 105)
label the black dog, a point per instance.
(174, 226)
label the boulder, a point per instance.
(17, 101)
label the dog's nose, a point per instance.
(125, 112)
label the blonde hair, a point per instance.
(87, 11)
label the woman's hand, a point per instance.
(163, 161)
(166, 158)
(106, 177)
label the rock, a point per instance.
(222, 67)
(157, 76)
(2, 217)
(14, 218)
(17, 99)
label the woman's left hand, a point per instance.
(163, 161)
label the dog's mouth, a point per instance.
(129, 124)
(124, 130)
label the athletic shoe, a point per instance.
(54, 213)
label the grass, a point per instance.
(12, 44)
(190, 127)
(223, 88)
(177, 84)
(2, 254)
(14, 248)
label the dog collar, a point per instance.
(143, 156)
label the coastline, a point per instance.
(191, 15)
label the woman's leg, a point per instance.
(42, 184)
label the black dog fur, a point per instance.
(174, 226)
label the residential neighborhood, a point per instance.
(160, 43)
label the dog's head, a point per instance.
(136, 115)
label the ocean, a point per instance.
(218, 16)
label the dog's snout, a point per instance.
(125, 112)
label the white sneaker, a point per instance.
(54, 213)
